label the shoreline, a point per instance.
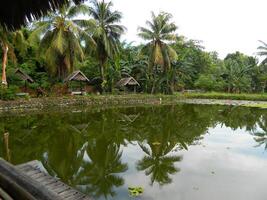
(116, 100)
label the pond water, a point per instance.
(181, 152)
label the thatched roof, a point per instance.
(15, 13)
(129, 81)
(77, 76)
(23, 76)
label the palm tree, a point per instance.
(9, 41)
(159, 34)
(107, 32)
(263, 51)
(236, 75)
(61, 34)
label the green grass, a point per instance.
(217, 95)
(257, 105)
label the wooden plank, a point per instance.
(38, 175)
(68, 193)
(21, 186)
(75, 196)
(34, 170)
(4, 195)
(60, 188)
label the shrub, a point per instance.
(209, 83)
(8, 93)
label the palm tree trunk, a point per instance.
(4, 62)
(102, 71)
(102, 74)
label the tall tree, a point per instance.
(159, 34)
(61, 34)
(263, 51)
(9, 41)
(107, 32)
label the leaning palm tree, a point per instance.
(9, 41)
(159, 34)
(107, 32)
(263, 52)
(61, 34)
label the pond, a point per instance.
(178, 152)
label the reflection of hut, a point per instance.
(78, 77)
(24, 77)
(128, 83)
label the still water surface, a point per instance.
(181, 152)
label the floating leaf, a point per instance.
(135, 191)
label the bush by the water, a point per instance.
(8, 93)
(232, 96)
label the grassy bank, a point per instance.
(230, 96)
(134, 99)
(90, 100)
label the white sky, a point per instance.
(224, 26)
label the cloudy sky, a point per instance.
(223, 25)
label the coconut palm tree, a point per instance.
(107, 32)
(159, 34)
(263, 51)
(61, 34)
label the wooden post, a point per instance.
(6, 146)
(25, 86)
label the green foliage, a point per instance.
(209, 83)
(8, 93)
(230, 96)
(63, 41)
(60, 44)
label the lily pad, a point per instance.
(135, 191)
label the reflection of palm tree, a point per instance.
(99, 175)
(158, 163)
(65, 154)
(261, 137)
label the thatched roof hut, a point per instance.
(15, 13)
(77, 76)
(129, 81)
(23, 76)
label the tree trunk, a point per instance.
(102, 74)
(102, 71)
(229, 89)
(264, 86)
(4, 62)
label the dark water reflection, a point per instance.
(181, 152)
